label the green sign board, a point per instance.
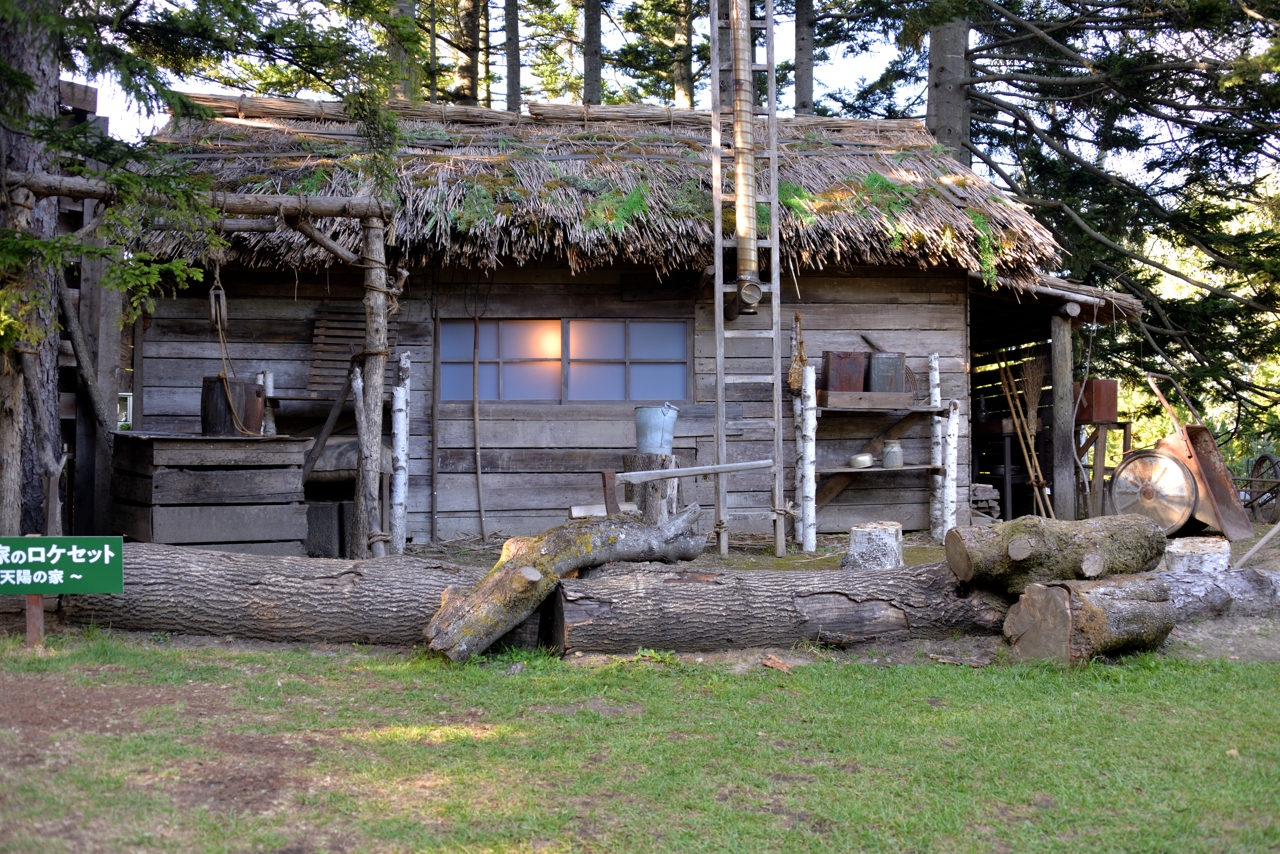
(53, 565)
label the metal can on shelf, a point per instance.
(892, 458)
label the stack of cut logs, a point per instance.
(1081, 589)
(984, 499)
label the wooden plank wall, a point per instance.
(539, 459)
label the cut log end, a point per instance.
(1021, 548)
(957, 552)
(1093, 566)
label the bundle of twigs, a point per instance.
(1024, 423)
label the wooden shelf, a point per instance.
(844, 410)
(881, 469)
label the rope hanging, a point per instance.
(218, 317)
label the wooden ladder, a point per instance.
(770, 285)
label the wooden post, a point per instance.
(936, 498)
(400, 456)
(1064, 444)
(373, 257)
(809, 399)
(1098, 491)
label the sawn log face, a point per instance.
(170, 589)
(701, 611)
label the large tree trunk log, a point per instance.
(531, 567)
(1012, 555)
(170, 589)
(699, 611)
(1073, 621)
(1203, 585)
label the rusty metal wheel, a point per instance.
(1156, 485)
(1264, 489)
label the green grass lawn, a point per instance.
(113, 744)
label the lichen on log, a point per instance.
(1013, 555)
(531, 567)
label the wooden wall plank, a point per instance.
(229, 523)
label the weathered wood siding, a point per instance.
(540, 458)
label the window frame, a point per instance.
(566, 360)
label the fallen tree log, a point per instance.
(1010, 556)
(531, 567)
(189, 591)
(705, 611)
(1202, 584)
(1074, 621)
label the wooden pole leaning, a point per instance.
(373, 257)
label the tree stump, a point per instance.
(1202, 583)
(706, 611)
(1012, 555)
(874, 545)
(655, 499)
(531, 567)
(1074, 621)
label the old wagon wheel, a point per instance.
(1264, 486)
(1156, 485)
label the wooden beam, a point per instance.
(44, 185)
(324, 241)
(1064, 443)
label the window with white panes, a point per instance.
(567, 360)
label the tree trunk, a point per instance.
(682, 48)
(591, 58)
(172, 589)
(28, 49)
(468, 40)
(804, 57)
(808, 458)
(400, 456)
(406, 83)
(1074, 621)
(701, 611)
(1203, 585)
(1012, 555)
(512, 25)
(947, 111)
(12, 410)
(531, 567)
(373, 368)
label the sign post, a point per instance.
(36, 567)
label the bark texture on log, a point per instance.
(171, 589)
(531, 567)
(1074, 621)
(1012, 555)
(1203, 585)
(701, 611)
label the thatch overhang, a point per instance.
(597, 186)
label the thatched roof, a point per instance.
(608, 185)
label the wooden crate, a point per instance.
(220, 493)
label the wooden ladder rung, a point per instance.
(749, 378)
(748, 333)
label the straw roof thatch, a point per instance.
(607, 185)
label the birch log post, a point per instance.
(400, 456)
(951, 467)
(530, 568)
(1074, 621)
(808, 499)
(363, 523)
(936, 527)
(1009, 556)
(797, 421)
(705, 611)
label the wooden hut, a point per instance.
(575, 240)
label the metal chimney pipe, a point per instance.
(744, 157)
